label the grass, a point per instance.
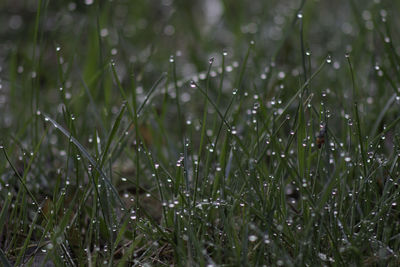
(209, 133)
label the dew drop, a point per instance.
(253, 238)
(329, 60)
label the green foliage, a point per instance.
(200, 133)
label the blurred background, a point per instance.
(77, 40)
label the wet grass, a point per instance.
(202, 134)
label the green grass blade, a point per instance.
(86, 154)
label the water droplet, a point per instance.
(336, 65)
(280, 263)
(211, 60)
(322, 256)
(228, 68)
(224, 53)
(89, 2)
(253, 238)
(58, 48)
(192, 84)
(299, 15)
(329, 60)
(171, 59)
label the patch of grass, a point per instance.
(210, 133)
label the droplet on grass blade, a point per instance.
(329, 60)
